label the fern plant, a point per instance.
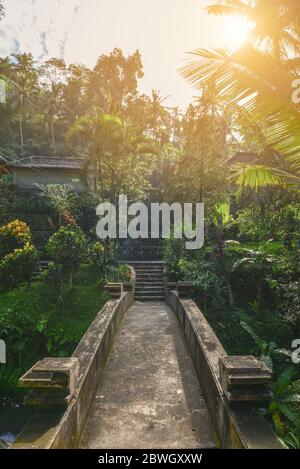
(291, 441)
(284, 408)
(266, 349)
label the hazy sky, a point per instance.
(80, 30)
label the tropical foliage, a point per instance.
(247, 275)
(257, 81)
(18, 257)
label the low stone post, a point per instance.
(244, 379)
(52, 381)
(114, 290)
(171, 286)
(185, 289)
(127, 286)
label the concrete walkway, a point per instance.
(149, 396)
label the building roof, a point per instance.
(49, 162)
(242, 157)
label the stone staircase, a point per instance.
(149, 280)
(145, 256)
(140, 249)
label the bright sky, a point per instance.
(81, 30)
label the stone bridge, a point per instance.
(147, 374)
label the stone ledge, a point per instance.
(239, 425)
(61, 427)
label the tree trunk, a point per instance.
(71, 281)
(223, 266)
(52, 133)
(21, 124)
(21, 134)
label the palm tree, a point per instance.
(24, 81)
(114, 148)
(219, 219)
(260, 88)
(51, 105)
(257, 82)
(274, 23)
(74, 93)
(158, 114)
(100, 134)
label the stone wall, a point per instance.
(60, 427)
(239, 425)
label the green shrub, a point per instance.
(14, 235)
(97, 254)
(18, 257)
(18, 266)
(83, 208)
(33, 325)
(67, 248)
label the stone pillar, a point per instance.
(114, 290)
(185, 289)
(52, 381)
(244, 379)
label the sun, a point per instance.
(235, 31)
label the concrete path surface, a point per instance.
(149, 396)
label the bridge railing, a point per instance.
(238, 424)
(58, 424)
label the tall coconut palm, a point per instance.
(24, 81)
(260, 87)
(99, 134)
(257, 81)
(114, 149)
(51, 100)
(158, 115)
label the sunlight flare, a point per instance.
(235, 31)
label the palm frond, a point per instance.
(219, 9)
(254, 176)
(259, 84)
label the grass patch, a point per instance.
(34, 324)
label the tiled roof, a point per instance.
(242, 157)
(49, 162)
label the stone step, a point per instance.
(149, 278)
(40, 268)
(140, 296)
(138, 284)
(152, 284)
(149, 282)
(149, 290)
(146, 265)
(144, 270)
(142, 248)
(155, 280)
(150, 271)
(150, 298)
